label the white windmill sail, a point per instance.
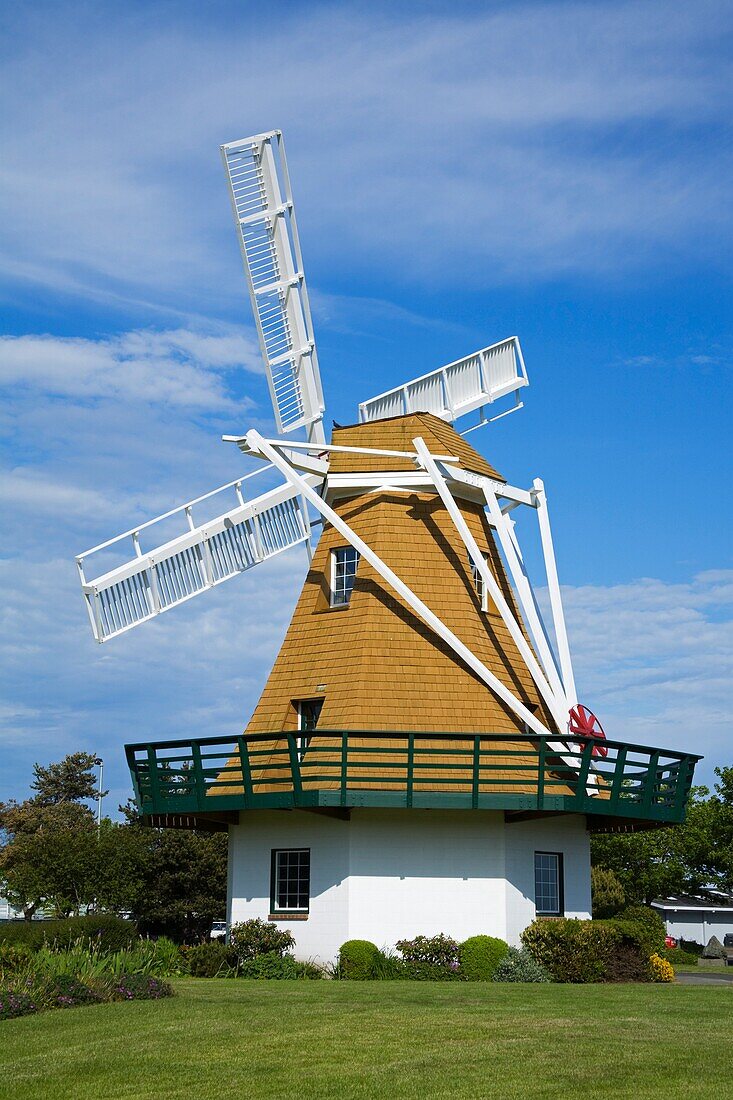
(262, 203)
(459, 388)
(202, 556)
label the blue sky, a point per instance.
(462, 173)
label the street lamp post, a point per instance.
(100, 764)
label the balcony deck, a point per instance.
(633, 786)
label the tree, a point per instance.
(71, 780)
(608, 893)
(684, 859)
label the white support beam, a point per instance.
(532, 616)
(558, 615)
(555, 701)
(257, 443)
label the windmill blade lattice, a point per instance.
(264, 214)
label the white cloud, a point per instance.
(655, 660)
(513, 143)
(178, 367)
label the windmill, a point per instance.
(444, 631)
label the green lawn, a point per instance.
(239, 1039)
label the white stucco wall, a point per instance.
(566, 834)
(385, 875)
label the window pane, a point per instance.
(345, 563)
(547, 883)
(292, 880)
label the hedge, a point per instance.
(110, 933)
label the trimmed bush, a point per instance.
(636, 933)
(258, 937)
(520, 965)
(108, 932)
(650, 918)
(627, 964)
(358, 960)
(211, 960)
(479, 957)
(276, 967)
(572, 950)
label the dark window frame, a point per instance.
(305, 729)
(560, 911)
(275, 909)
(340, 595)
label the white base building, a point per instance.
(386, 875)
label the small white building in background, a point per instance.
(697, 918)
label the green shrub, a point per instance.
(211, 960)
(678, 957)
(429, 958)
(102, 929)
(692, 947)
(13, 1003)
(591, 951)
(479, 957)
(358, 960)
(258, 937)
(13, 956)
(520, 965)
(138, 987)
(276, 967)
(387, 967)
(636, 933)
(572, 950)
(65, 991)
(650, 918)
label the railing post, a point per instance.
(582, 792)
(542, 753)
(295, 768)
(410, 767)
(651, 782)
(199, 785)
(680, 794)
(244, 763)
(476, 772)
(344, 765)
(154, 777)
(618, 777)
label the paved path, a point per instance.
(704, 977)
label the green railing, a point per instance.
(354, 768)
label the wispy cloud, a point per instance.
(516, 143)
(179, 367)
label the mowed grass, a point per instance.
(303, 1040)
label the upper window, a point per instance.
(344, 563)
(309, 711)
(548, 884)
(290, 882)
(478, 582)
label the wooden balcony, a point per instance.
(631, 787)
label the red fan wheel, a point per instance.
(585, 724)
